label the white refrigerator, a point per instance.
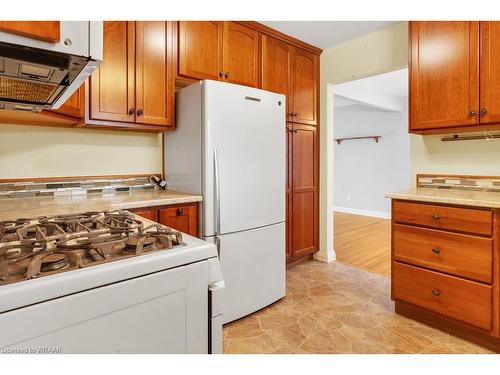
(229, 146)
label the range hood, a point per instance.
(36, 75)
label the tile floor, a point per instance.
(334, 308)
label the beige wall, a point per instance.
(36, 151)
(430, 155)
(379, 52)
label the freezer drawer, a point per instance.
(253, 267)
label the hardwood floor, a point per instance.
(363, 242)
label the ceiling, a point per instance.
(326, 34)
(382, 91)
(395, 82)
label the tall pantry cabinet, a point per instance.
(294, 72)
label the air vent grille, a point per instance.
(26, 91)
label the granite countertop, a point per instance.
(13, 208)
(449, 196)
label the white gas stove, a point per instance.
(107, 282)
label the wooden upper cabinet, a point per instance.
(48, 31)
(444, 74)
(490, 72)
(75, 105)
(135, 82)
(304, 86)
(155, 76)
(275, 68)
(200, 49)
(112, 91)
(240, 54)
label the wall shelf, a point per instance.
(374, 137)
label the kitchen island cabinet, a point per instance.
(446, 262)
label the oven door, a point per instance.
(164, 312)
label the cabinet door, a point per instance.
(154, 77)
(112, 91)
(75, 105)
(241, 54)
(490, 72)
(147, 213)
(444, 77)
(48, 31)
(276, 67)
(304, 190)
(304, 86)
(181, 218)
(200, 49)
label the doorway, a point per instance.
(371, 158)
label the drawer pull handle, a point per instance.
(436, 293)
(436, 217)
(179, 212)
(436, 250)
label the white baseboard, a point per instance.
(357, 211)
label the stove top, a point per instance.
(31, 248)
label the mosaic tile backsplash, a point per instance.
(103, 186)
(490, 184)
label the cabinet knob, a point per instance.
(436, 250)
(483, 111)
(140, 112)
(472, 113)
(221, 74)
(436, 217)
(436, 292)
(179, 212)
(131, 111)
(226, 75)
(295, 130)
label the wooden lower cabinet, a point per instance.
(182, 217)
(302, 191)
(447, 274)
(147, 213)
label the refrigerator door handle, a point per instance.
(217, 193)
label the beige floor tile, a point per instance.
(334, 308)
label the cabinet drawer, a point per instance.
(451, 296)
(467, 220)
(181, 218)
(454, 253)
